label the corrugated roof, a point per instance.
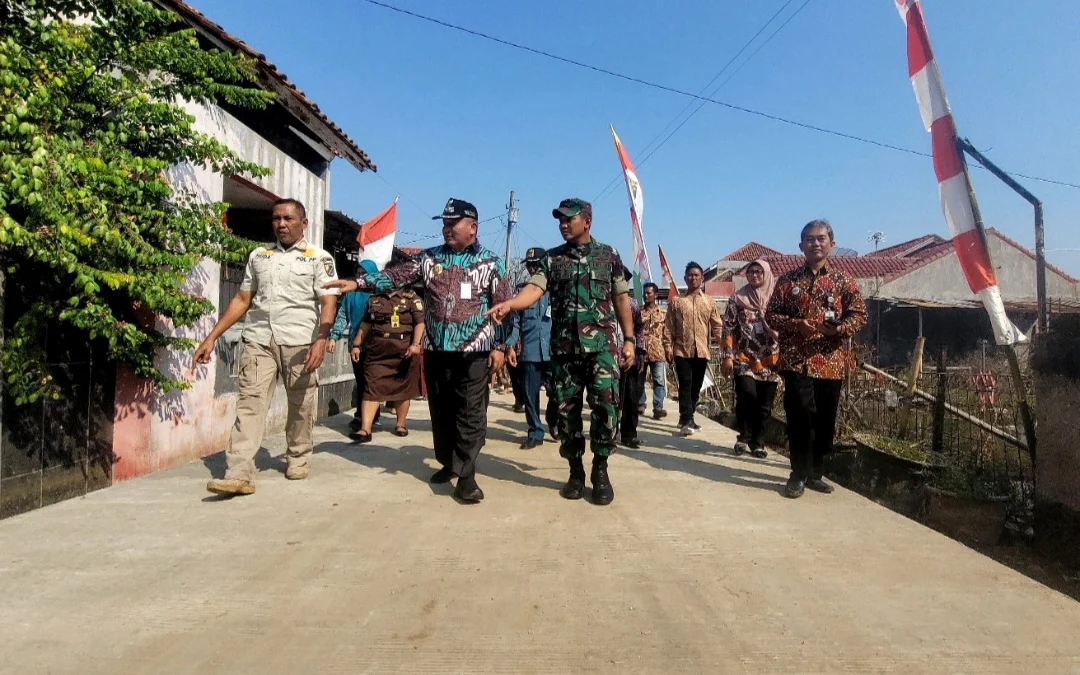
(750, 252)
(1054, 305)
(302, 107)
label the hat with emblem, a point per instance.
(535, 254)
(456, 209)
(568, 208)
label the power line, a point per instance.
(680, 92)
(701, 104)
(637, 160)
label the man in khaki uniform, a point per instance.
(289, 315)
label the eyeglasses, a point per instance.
(755, 273)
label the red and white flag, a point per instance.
(376, 236)
(637, 206)
(957, 197)
(673, 290)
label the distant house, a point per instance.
(918, 284)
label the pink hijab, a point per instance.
(757, 299)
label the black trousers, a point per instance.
(753, 405)
(517, 382)
(630, 388)
(457, 386)
(810, 405)
(691, 374)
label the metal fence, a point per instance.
(963, 420)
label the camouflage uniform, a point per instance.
(583, 282)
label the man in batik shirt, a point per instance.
(815, 309)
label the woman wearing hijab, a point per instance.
(750, 352)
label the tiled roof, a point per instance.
(898, 250)
(274, 80)
(750, 252)
(855, 266)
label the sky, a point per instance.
(447, 114)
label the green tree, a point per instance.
(93, 238)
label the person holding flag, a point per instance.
(589, 294)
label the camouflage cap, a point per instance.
(568, 208)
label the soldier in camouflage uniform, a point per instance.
(589, 294)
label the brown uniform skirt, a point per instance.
(390, 376)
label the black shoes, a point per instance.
(443, 475)
(519, 408)
(575, 485)
(632, 443)
(819, 485)
(794, 488)
(468, 491)
(659, 414)
(760, 453)
(602, 493)
(531, 443)
(694, 425)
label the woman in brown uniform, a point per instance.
(392, 329)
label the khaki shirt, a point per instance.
(691, 321)
(286, 285)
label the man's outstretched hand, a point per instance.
(342, 285)
(499, 312)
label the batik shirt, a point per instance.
(752, 352)
(460, 289)
(657, 337)
(582, 282)
(691, 320)
(803, 295)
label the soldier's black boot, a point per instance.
(602, 492)
(575, 486)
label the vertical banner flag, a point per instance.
(637, 204)
(376, 238)
(954, 183)
(673, 290)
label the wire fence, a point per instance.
(962, 421)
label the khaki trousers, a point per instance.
(259, 368)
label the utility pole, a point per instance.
(511, 220)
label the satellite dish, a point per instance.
(845, 252)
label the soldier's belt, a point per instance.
(392, 336)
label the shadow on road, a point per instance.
(264, 461)
(413, 460)
(708, 470)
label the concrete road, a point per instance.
(699, 566)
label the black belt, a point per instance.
(393, 336)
